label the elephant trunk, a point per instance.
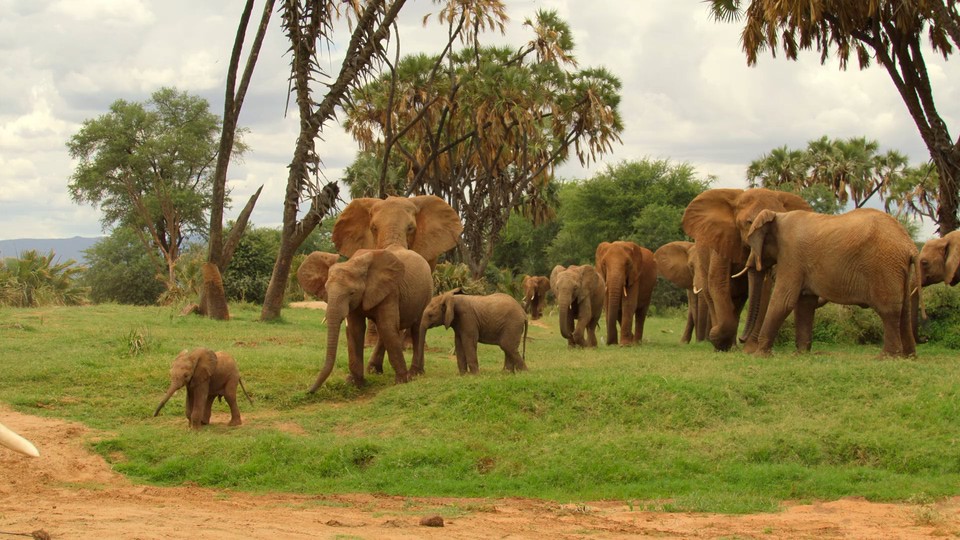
(754, 293)
(170, 392)
(333, 338)
(615, 294)
(563, 302)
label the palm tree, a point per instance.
(34, 279)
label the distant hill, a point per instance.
(64, 248)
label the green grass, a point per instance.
(663, 426)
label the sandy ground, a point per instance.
(68, 492)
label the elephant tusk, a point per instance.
(624, 291)
(914, 291)
(17, 443)
(740, 273)
(696, 290)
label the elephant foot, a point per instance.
(235, 422)
(374, 369)
(356, 381)
(401, 378)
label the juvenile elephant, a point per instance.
(630, 273)
(863, 257)
(940, 259)
(15, 442)
(494, 319)
(207, 375)
(579, 291)
(535, 289)
(678, 263)
(390, 287)
(718, 220)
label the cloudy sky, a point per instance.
(688, 94)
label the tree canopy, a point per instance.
(640, 201)
(148, 166)
(485, 128)
(832, 173)
(889, 32)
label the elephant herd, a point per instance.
(757, 248)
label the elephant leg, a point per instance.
(393, 342)
(356, 328)
(199, 406)
(419, 345)
(375, 364)
(591, 333)
(691, 319)
(781, 304)
(512, 361)
(640, 319)
(188, 406)
(908, 325)
(461, 357)
(630, 327)
(469, 337)
(892, 346)
(230, 394)
(803, 321)
(208, 409)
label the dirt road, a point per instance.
(70, 493)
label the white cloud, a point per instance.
(106, 12)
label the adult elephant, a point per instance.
(718, 220)
(425, 224)
(678, 263)
(940, 260)
(390, 287)
(535, 289)
(630, 273)
(579, 291)
(863, 257)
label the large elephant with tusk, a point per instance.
(17, 443)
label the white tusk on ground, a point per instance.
(17, 443)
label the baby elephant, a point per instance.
(495, 319)
(207, 375)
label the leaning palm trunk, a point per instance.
(170, 392)
(333, 338)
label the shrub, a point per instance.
(942, 304)
(448, 276)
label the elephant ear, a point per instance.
(438, 227)
(554, 274)
(204, 364)
(709, 219)
(599, 256)
(951, 258)
(352, 229)
(589, 281)
(757, 235)
(313, 272)
(791, 201)
(543, 285)
(384, 272)
(448, 308)
(673, 263)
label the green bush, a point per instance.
(448, 276)
(834, 323)
(942, 305)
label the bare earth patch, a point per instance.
(71, 493)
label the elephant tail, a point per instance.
(523, 353)
(244, 388)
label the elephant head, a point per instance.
(573, 288)
(17, 443)
(358, 285)
(535, 289)
(719, 220)
(439, 311)
(192, 369)
(425, 224)
(312, 274)
(940, 259)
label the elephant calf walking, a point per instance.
(495, 319)
(206, 374)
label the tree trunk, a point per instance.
(947, 162)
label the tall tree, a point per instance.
(830, 173)
(149, 166)
(486, 131)
(889, 32)
(308, 24)
(220, 254)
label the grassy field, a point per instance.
(663, 426)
